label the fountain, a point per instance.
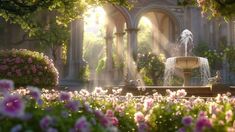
(186, 63)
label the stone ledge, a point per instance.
(203, 91)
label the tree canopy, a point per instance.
(213, 8)
(47, 20)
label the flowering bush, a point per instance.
(50, 110)
(27, 68)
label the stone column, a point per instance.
(229, 32)
(109, 51)
(120, 44)
(109, 60)
(132, 42)
(131, 51)
(75, 49)
(120, 55)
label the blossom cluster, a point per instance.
(31, 109)
(27, 68)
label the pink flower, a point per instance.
(33, 68)
(201, 123)
(98, 113)
(18, 72)
(12, 106)
(120, 109)
(99, 91)
(187, 120)
(139, 117)
(34, 92)
(30, 60)
(82, 125)
(228, 115)
(64, 96)
(17, 60)
(3, 67)
(142, 127)
(45, 122)
(181, 93)
(114, 121)
(148, 103)
(6, 85)
(109, 113)
(72, 105)
(105, 121)
(182, 130)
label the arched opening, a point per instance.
(104, 44)
(156, 39)
(158, 31)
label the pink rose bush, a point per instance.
(32, 109)
(26, 67)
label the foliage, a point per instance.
(47, 20)
(34, 110)
(153, 67)
(101, 65)
(213, 8)
(28, 68)
(230, 54)
(215, 57)
(84, 73)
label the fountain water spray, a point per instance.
(186, 63)
(186, 40)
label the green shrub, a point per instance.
(84, 73)
(26, 67)
(153, 68)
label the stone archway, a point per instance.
(165, 28)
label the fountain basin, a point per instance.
(186, 62)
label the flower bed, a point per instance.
(50, 110)
(27, 68)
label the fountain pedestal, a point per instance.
(187, 64)
(187, 76)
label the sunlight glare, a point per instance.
(95, 19)
(145, 20)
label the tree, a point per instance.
(47, 21)
(213, 8)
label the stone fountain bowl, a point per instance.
(187, 62)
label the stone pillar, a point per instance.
(131, 51)
(132, 42)
(75, 49)
(120, 45)
(229, 32)
(109, 52)
(120, 55)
